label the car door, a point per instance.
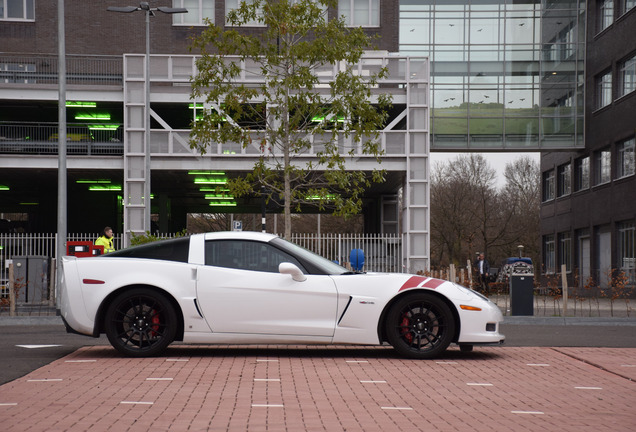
(241, 291)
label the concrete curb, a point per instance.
(30, 320)
(569, 321)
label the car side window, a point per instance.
(246, 255)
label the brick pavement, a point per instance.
(327, 389)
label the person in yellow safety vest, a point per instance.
(106, 240)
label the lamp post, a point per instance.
(145, 7)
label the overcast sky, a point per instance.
(497, 161)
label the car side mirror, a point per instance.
(293, 270)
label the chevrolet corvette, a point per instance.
(256, 288)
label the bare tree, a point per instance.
(523, 193)
(469, 213)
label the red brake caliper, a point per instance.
(405, 329)
(155, 323)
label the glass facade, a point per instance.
(505, 74)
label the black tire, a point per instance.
(140, 322)
(420, 326)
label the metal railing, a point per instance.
(43, 69)
(42, 138)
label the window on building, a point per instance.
(625, 158)
(234, 4)
(603, 167)
(565, 251)
(17, 10)
(605, 14)
(627, 74)
(627, 249)
(548, 185)
(628, 5)
(564, 179)
(365, 13)
(604, 89)
(582, 173)
(548, 253)
(198, 10)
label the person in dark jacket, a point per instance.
(483, 272)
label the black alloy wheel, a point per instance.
(140, 323)
(420, 326)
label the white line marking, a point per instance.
(45, 380)
(268, 405)
(527, 412)
(37, 346)
(538, 364)
(357, 361)
(397, 408)
(373, 382)
(267, 379)
(177, 360)
(589, 388)
(446, 362)
(8, 404)
(79, 361)
(159, 379)
(628, 365)
(265, 360)
(136, 403)
(480, 384)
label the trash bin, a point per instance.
(31, 278)
(521, 294)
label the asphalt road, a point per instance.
(26, 347)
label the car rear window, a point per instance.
(167, 250)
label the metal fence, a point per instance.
(383, 253)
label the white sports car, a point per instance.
(255, 288)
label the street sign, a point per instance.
(237, 226)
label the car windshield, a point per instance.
(326, 266)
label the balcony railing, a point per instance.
(42, 138)
(43, 69)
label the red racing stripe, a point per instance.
(416, 281)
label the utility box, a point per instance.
(31, 279)
(82, 249)
(521, 294)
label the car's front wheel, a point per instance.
(420, 326)
(140, 322)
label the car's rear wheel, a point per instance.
(140, 322)
(420, 326)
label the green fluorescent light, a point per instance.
(216, 189)
(93, 116)
(219, 197)
(318, 198)
(198, 105)
(98, 181)
(29, 203)
(222, 204)
(98, 188)
(319, 119)
(103, 127)
(206, 172)
(4, 187)
(203, 180)
(81, 104)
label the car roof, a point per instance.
(240, 235)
